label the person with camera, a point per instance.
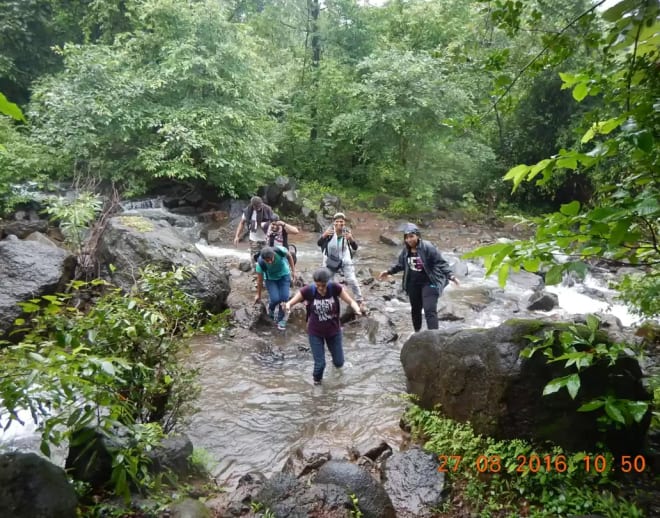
(337, 245)
(277, 234)
(425, 276)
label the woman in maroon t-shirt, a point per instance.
(323, 326)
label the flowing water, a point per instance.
(258, 400)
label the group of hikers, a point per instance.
(425, 275)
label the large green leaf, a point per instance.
(10, 109)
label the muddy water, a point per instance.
(258, 400)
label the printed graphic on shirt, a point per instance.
(324, 309)
(415, 263)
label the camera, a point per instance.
(346, 230)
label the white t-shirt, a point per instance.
(256, 235)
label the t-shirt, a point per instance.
(416, 274)
(256, 232)
(323, 310)
(278, 268)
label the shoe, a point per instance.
(281, 325)
(271, 315)
(317, 382)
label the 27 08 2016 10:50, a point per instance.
(536, 463)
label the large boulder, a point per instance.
(29, 269)
(374, 502)
(477, 375)
(130, 243)
(33, 487)
(414, 484)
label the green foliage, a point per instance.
(508, 483)
(183, 96)
(74, 216)
(644, 289)
(622, 221)
(355, 503)
(121, 362)
(580, 348)
(21, 162)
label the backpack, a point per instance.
(308, 303)
(258, 259)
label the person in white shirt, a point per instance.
(256, 214)
(337, 244)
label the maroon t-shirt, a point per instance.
(323, 310)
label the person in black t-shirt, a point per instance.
(425, 276)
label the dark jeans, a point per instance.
(318, 351)
(424, 297)
(278, 291)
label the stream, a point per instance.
(258, 401)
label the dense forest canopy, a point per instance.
(418, 103)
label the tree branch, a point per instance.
(539, 54)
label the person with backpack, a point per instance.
(277, 234)
(276, 267)
(255, 214)
(425, 276)
(337, 246)
(323, 325)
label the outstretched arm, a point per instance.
(260, 285)
(349, 300)
(239, 231)
(293, 301)
(292, 265)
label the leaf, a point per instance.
(517, 174)
(503, 274)
(593, 322)
(573, 385)
(9, 108)
(45, 448)
(614, 412)
(554, 385)
(570, 209)
(638, 410)
(532, 264)
(568, 162)
(580, 91)
(591, 406)
(554, 274)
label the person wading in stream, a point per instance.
(276, 266)
(425, 276)
(323, 326)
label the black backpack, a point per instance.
(258, 259)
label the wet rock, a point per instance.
(414, 484)
(29, 269)
(542, 301)
(23, 228)
(389, 240)
(172, 454)
(374, 502)
(477, 375)
(301, 463)
(130, 244)
(33, 487)
(379, 328)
